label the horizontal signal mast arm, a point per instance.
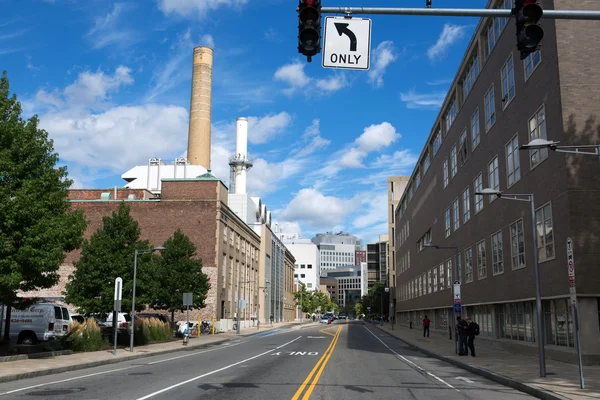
(460, 12)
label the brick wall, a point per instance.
(122, 194)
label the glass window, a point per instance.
(426, 162)
(429, 282)
(493, 176)
(481, 260)
(497, 253)
(447, 218)
(478, 187)
(537, 130)
(470, 76)
(442, 277)
(453, 162)
(490, 109)
(435, 279)
(437, 141)
(513, 166)
(450, 115)
(456, 214)
(466, 198)
(508, 82)
(531, 63)
(446, 175)
(517, 245)
(417, 179)
(449, 272)
(462, 148)
(469, 265)
(475, 138)
(545, 234)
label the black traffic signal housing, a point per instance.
(529, 34)
(309, 28)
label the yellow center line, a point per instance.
(311, 387)
(328, 333)
(319, 363)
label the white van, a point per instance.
(38, 322)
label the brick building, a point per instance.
(231, 251)
(496, 103)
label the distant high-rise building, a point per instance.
(396, 187)
(377, 261)
(360, 256)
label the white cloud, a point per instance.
(207, 40)
(383, 55)
(318, 210)
(312, 135)
(195, 8)
(265, 177)
(352, 158)
(92, 88)
(289, 226)
(399, 159)
(428, 101)
(375, 137)
(450, 35)
(294, 76)
(109, 29)
(261, 130)
(374, 210)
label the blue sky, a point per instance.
(111, 84)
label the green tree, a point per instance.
(177, 271)
(304, 300)
(358, 308)
(107, 255)
(37, 226)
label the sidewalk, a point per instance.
(22, 369)
(515, 370)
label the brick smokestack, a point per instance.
(200, 108)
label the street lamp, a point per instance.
(538, 144)
(135, 254)
(536, 272)
(240, 283)
(456, 274)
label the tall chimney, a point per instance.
(200, 108)
(241, 154)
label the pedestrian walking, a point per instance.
(426, 323)
(472, 331)
(462, 334)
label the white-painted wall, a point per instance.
(306, 254)
(149, 176)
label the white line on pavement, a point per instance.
(196, 353)
(410, 362)
(216, 370)
(462, 378)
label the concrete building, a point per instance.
(396, 187)
(360, 256)
(335, 255)
(496, 103)
(308, 266)
(377, 261)
(349, 284)
(329, 286)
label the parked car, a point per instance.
(36, 323)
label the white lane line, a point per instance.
(69, 379)
(216, 370)
(410, 362)
(462, 378)
(194, 354)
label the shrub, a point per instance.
(151, 330)
(84, 337)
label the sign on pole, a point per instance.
(571, 271)
(387, 289)
(347, 43)
(117, 309)
(187, 299)
(456, 291)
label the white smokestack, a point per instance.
(241, 154)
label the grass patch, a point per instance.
(151, 330)
(84, 337)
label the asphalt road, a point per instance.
(338, 361)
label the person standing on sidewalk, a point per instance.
(472, 331)
(426, 323)
(462, 333)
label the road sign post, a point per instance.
(117, 310)
(347, 43)
(573, 293)
(188, 300)
(457, 310)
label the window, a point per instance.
(490, 109)
(309, 266)
(478, 187)
(466, 198)
(462, 148)
(513, 166)
(531, 63)
(469, 265)
(437, 141)
(410, 192)
(442, 277)
(517, 245)
(417, 179)
(470, 76)
(537, 130)
(435, 279)
(475, 139)
(453, 162)
(493, 176)
(429, 282)
(508, 82)
(497, 253)
(449, 272)
(545, 234)
(225, 234)
(496, 27)
(446, 177)
(426, 162)
(456, 214)
(481, 267)
(447, 218)
(450, 115)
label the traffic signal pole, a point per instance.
(460, 12)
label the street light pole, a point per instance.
(586, 149)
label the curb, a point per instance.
(58, 370)
(501, 379)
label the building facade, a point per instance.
(307, 269)
(396, 187)
(329, 286)
(348, 284)
(496, 103)
(377, 261)
(360, 256)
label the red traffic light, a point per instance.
(310, 3)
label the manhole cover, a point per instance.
(56, 392)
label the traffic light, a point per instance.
(529, 34)
(309, 28)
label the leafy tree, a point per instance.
(177, 271)
(304, 300)
(358, 308)
(37, 225)
(107, 255)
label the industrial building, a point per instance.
(497, 103)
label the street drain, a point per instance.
(58, 392)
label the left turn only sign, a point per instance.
(347, 43)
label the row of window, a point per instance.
(302, 266)
(476, 258)
(238, 241)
